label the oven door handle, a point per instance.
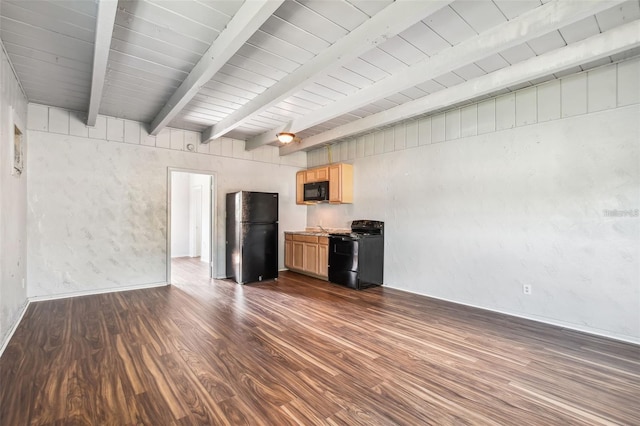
(339, 238)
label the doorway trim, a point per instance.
(213, 251)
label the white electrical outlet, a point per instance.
(526, 288)
(23, 283)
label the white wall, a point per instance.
(182, 184)
(204, 182)
(180, 220)
(98, 198)
(13, 203)
(520, 189)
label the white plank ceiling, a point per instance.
(324, 69)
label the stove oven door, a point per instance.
(343, 261)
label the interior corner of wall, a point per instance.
(17, 120)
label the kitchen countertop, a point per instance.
(318, 232)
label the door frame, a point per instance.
(213, 252)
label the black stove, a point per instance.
(362, 228)
(356, 259)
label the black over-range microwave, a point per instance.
(316, 191)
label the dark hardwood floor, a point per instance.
(303, 351)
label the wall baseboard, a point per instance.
(101, 291)
(547, 321)
(14, 327)
(568, 326)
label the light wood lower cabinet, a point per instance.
(310, 258)
(307, 254)
(323, 258)
(288, 252)
(293, 253)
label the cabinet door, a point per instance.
(310, 176)
(318, 174)
(322, 174)
(323, 260)
(341, 183)
(335, 183)
(310, 258)
(300, 180)
(298, 255)
(288, 253)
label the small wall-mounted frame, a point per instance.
(17, 147)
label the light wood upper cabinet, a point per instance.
(340, 177)
(319, 174)
(300, 181)
(322, 174)
(341, 183)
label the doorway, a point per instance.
(191, 227)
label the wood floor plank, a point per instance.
(201, 407)
(303, 351)
(214, 384)
(302, 413)
(153, 410)
(164, 388)
(22, 400)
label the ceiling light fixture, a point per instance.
(285, 137)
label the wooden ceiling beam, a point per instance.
(535, 23)
(387, 23)
(105, 20)
(249, 18)
(619, 39)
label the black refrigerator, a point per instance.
(252, 236)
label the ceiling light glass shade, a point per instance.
(285, 137)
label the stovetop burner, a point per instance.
(367, 227)
(361, 229)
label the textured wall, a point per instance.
(97, 207)
(13, 202)
(536, 187)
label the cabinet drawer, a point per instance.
(323, 240)
(305, 238)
